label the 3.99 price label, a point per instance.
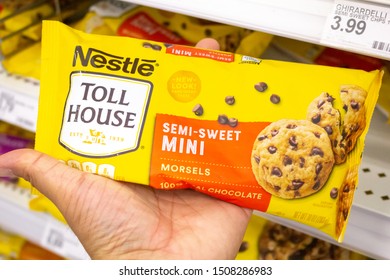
(361, 27)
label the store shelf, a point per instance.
(38, 227)
(304, 20)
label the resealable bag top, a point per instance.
(278, 137)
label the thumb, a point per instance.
(208, 43)
(51, 177)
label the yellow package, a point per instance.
(26, 62)
(279, 137)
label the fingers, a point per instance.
(51, 177)
(208, 43)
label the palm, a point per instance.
(116, 220)
(131, 221)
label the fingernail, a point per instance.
(7, 173)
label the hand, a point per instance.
(117, 220)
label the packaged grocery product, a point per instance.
(268, 240)
(20, 25)
(12, 138)
(279, 137)
(278, 242)
(126, 19)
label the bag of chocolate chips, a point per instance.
(279, 137)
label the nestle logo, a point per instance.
(99, 59)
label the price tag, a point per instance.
(18, 108)
(357, 26)
(59, 239)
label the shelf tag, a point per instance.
(18, 108)
(363, 27)
(59, 239)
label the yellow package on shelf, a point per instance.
(267, 240)
(158, 25)
(279, 137)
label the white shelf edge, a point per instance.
(38, 227)
(303, 20)
(18, 100)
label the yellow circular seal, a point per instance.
(184, 86)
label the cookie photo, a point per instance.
(292, 158)
(278, 242)
(321, 112)
(354, 120)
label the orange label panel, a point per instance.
(209, 157)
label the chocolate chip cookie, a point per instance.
(345, 198)
(354, 120)
(278, 242)
(322, 112)
(343, 130)
(292, 158)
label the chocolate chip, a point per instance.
(184, 25)
(316, 118)
(328, 129)
(355, 105)
(302, 162)
(297, 184)
(345, 214)
(198, 110)
(275, 98)
(316, 186)
(230, 100)
(262, 137)
(298, 255)
(156, 47)
(147, 45)
(287, 161)
(317, 152)
(261, 86)
(232, 122)
(345, 107)
(330, 98)
(320, 103)
(293, 141)
(276, 172)
(223, 119)
(318, 168)
(256, 158)
(346, 188)
(291, 126)
(317, 134)
(208, 32)
(272, 149)
(334, 193)
(274, 132)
